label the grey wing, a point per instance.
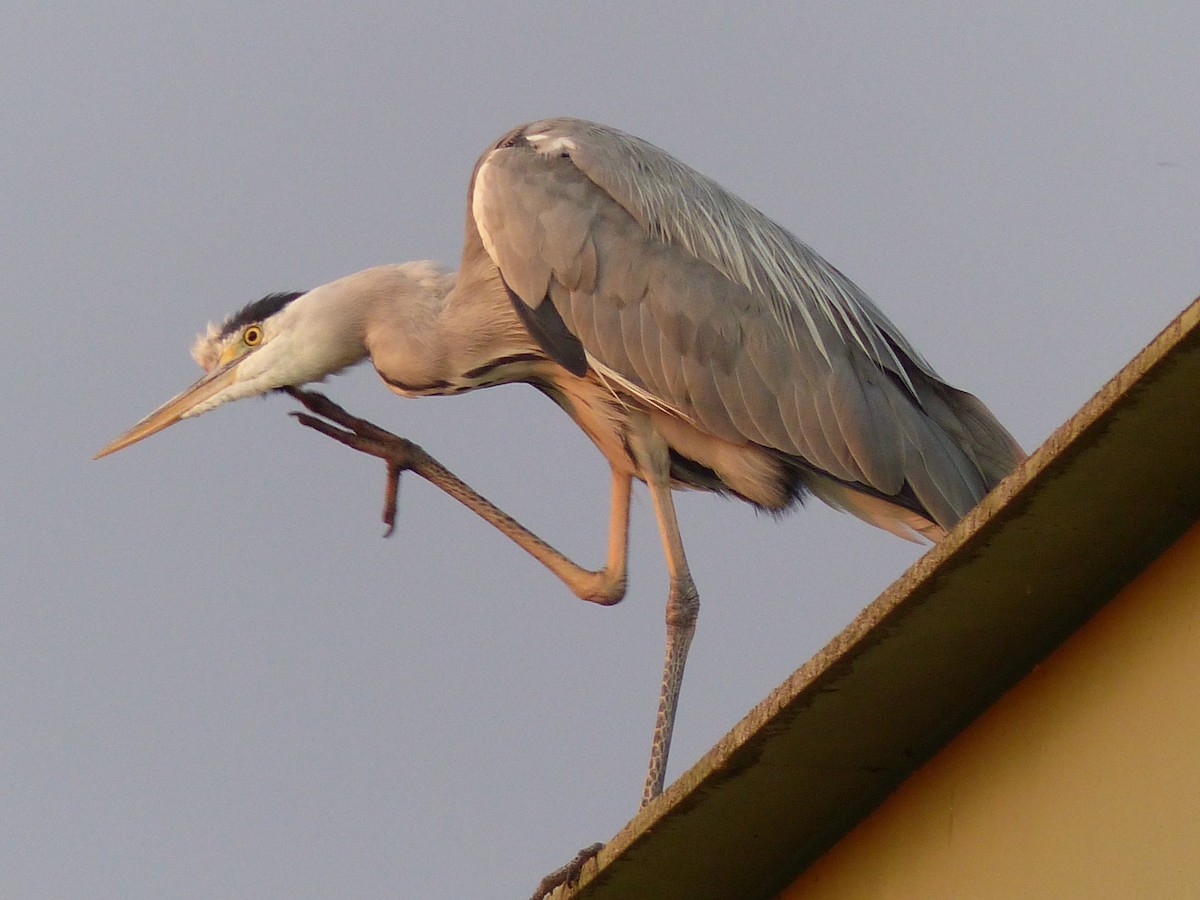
(702, 305)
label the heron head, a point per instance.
(250, 353)
(286, 340)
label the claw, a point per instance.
(391, 502)
(361, 435)
(568, 874)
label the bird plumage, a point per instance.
(613, 277)
(696, 305)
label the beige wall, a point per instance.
(1082, 781)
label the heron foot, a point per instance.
(605, 586)
(568, 874)
(399, 453)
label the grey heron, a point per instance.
(696, 342)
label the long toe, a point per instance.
(568, 874)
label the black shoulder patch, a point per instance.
(546, 327)
(258, 310)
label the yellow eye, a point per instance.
(252, 336)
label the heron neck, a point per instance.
(481, 333)
(447, 338)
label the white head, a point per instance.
(286, 340)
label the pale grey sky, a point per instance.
(216, 679)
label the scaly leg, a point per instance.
(683, 601)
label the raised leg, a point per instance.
(683, 601)
(604, 586)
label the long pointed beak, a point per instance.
(176, 408)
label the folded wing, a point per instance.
(698, 303)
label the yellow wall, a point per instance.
(1082, 781)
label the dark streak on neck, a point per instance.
(480, 371)
(433, 387)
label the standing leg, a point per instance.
(683, 601)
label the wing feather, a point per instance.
(680, 205)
